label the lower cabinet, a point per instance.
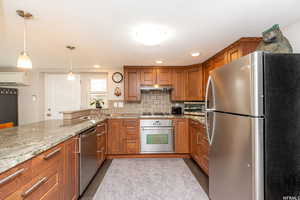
(101, 143)
(50, 175)
(123, 136)
(181, 136)
(199, 144)
(71, 169)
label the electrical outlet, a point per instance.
(121, 105)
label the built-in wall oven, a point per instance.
(157, 136)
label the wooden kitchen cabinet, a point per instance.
(163, 76)
(199, 144)
(182, 143)
(178, 83)
(101, 143)
(193, 83)
(148, 76)
(116, 137)
(234, 51)
(71, 169)
(123, 136)
(132, 77)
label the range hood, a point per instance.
(156, 88)
(14, 79)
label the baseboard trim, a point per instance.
(173, 155)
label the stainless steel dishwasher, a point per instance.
(88, 157)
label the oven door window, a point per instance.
(157, 139)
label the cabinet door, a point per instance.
(71, 169)
(181, 136)
(163, 76)
(193, 89)
(220, 60)
(178, 82)
(148, 76)
(115, 137)
(233, 53)
(132, 85)
(193, 143)
(132, 146)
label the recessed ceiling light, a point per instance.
(97, 66)
(159, 62)
(151, 35)
(195, 54)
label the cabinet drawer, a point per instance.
(47, 185)
(132, 146)
(131, 123)
(15, 178)
(47, 159)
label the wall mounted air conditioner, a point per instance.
(14, 79)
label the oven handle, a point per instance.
(158, 128)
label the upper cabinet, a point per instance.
(178, 83)
(132, 77)
(152, 76)
(234, 51)
(163, 76)
(148, 76)
(193, 83)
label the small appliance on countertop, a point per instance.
(176, 110)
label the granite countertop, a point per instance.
(200, 119)
(22, 143)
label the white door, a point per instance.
(61, 95)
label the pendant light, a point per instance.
(71, 76)
(24, 59)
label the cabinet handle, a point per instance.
(34, 187)
(52, 154)
(8, 178)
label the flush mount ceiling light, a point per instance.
(71, 76)
(24, 60)
(96, 66)
(159, 62)
(151, 35)
(195, 54)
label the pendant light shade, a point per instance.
(71, 76)
(24, 60)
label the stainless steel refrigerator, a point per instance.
(253, 127)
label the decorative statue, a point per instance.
(274, 41)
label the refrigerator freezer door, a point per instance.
(236, 158)
(238, 87)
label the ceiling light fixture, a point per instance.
(151, 35)
(159, 62)
(24, 60)
(97, 66)
(195, 54)
(71, 76)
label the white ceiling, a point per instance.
(102, 29)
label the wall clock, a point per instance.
(117, 77)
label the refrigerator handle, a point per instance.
(209, 82)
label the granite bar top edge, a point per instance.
(16, 150)
(24, 152)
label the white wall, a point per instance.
(292, 32)
(33, 111)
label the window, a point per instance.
(98, 85)
(98, 90)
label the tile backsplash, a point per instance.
(151, 101)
